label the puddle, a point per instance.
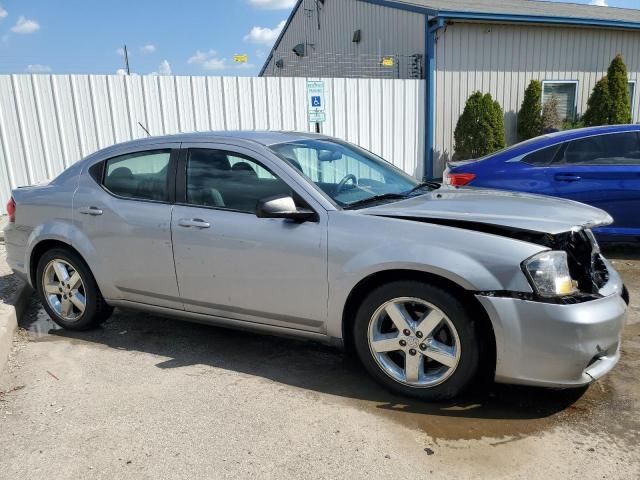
(36, 321)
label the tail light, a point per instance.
(460, 179)
(11, 210)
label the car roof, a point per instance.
(559, 137)
(256, 136)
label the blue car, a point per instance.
(599, 166)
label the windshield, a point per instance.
(349, 175)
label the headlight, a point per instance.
(549, 274)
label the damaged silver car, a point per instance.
(305, 235)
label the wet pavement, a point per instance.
(185, 400)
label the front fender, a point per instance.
(362, 245)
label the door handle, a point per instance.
(90, 211)
(193, 223)
(567, 177)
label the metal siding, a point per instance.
(385, 31)
(501, 59)
(48, 122)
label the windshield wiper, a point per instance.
(431, 184)
(375, 198)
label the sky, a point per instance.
(188, 37)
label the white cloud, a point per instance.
(121, 71)
(215, 64)
(3, 12)
(38, 68)
(200, 57)
(264, 35)
(148, 48)
(25, 25)
(164, 68)
(273, 4)
(208, 60)
(120, 51)
(599, 3)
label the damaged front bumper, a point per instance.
(557, 344)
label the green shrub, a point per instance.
(619, 101)
(480, 128)
(497, 124)
(609, 102)
(597, 112)
(573, 124)
(530, 114)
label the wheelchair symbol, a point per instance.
(316, 102)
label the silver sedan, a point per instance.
(304, 235)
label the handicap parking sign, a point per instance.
(315, 101)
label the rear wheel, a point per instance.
(417, 339)
(69, 292)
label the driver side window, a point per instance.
(229, 180)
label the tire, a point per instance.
(454, 340)
(56, 304)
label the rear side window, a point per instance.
(612, 149)
(140, 175)
(542, 157)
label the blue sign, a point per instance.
(316, 102)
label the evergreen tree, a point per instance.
(530, 114)
(499, 140)
(480, 128)
(598, 105)
(619, 101)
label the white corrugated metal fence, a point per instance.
(48, 122)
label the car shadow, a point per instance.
(302, 364)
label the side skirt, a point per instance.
(227, 322)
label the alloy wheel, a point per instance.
(414, 342)
(64, 290)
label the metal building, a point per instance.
(458, 47)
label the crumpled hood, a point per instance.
(523, 211)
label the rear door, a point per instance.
(124, 208)
(603, 171)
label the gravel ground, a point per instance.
(148, 397)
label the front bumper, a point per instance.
(557, 345)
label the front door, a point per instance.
(233, 264)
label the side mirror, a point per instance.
(283, 207)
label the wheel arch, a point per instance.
(40, 248)
(364, 286)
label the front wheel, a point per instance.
(417, 340)
(69, 292)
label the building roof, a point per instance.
(523, 8)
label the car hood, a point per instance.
(468, 205)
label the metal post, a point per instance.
(430, 65)
(126, 60)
